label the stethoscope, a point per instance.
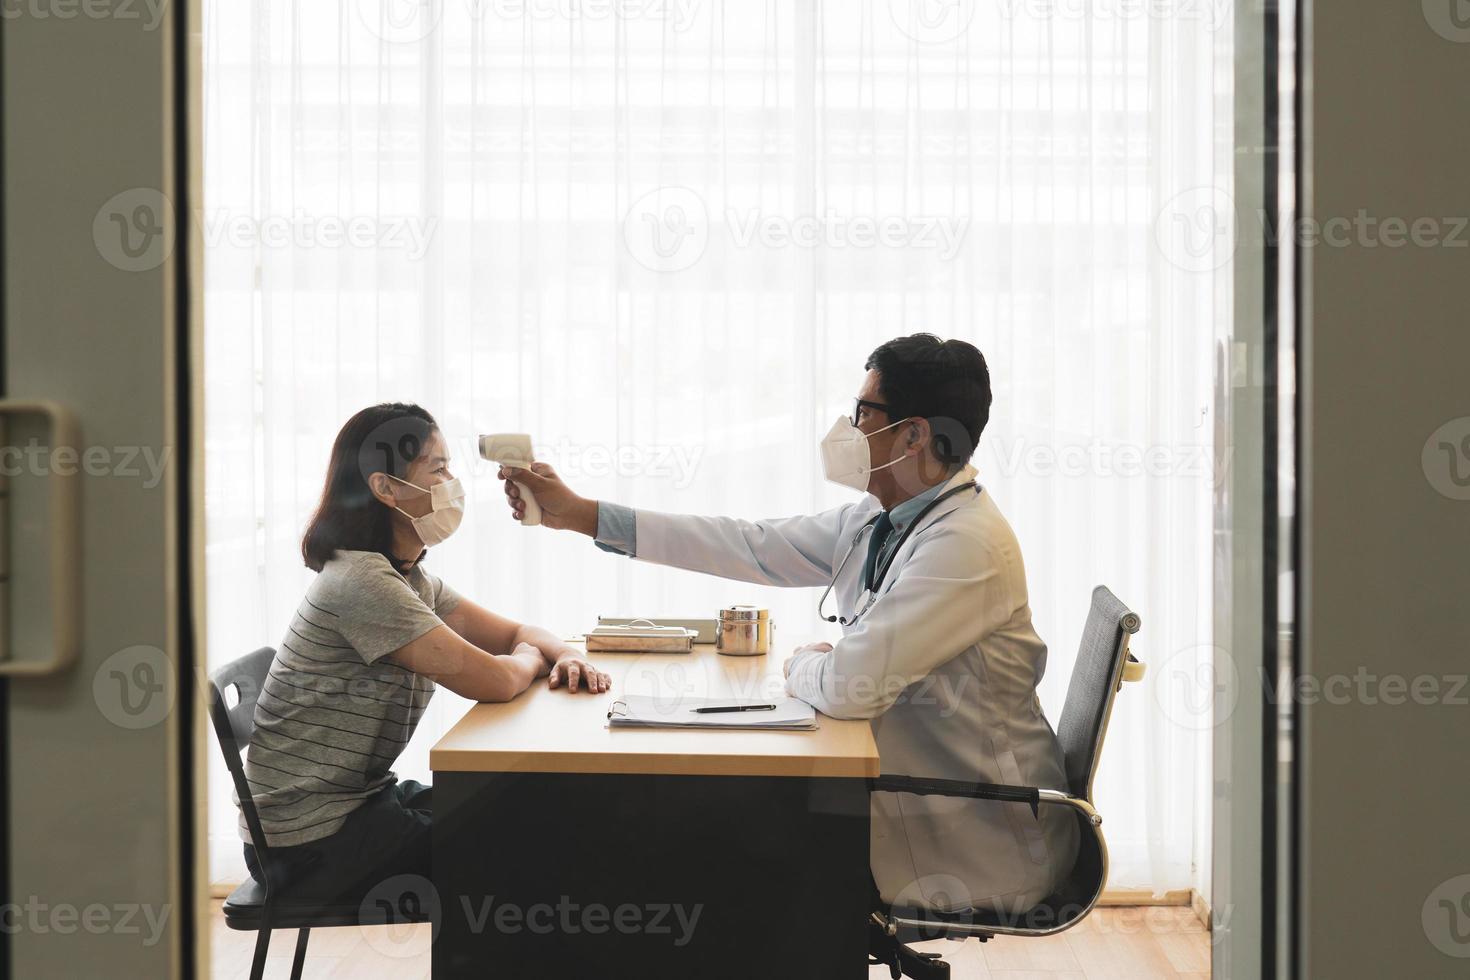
(882, 570)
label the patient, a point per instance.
(372, 637)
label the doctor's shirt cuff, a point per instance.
(804, 679)
(617, 529)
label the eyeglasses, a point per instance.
(859, 405)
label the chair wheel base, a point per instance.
(922, 966)
(903, 961)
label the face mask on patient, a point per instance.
(447, 502)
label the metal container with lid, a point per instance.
(744, 631)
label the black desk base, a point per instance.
(543, 875)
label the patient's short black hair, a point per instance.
(943, 381)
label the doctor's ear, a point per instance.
(918, 435)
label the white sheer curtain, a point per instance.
(663, 236)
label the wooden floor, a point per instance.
(1132, 943)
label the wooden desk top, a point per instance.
(547, 730)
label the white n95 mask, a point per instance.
(446, 501)
(846, 459)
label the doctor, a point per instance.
(938, 649)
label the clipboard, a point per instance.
(650, 711)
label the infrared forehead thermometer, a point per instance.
(513, 449)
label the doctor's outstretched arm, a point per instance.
(790, 551)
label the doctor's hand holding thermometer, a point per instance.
(560, 508)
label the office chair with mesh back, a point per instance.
(1103, 664)
(257, 906)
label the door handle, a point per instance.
(65, 520)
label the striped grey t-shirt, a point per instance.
(333, 715)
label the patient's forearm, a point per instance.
(551, 646)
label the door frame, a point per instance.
(132, 372)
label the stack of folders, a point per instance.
(650, 711)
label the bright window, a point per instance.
(663, 237)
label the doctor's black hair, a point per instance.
(943, 381)
(382, 438)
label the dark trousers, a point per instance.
(386, 837)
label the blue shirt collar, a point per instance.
(902, 513)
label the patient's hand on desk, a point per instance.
(560, 507)
(819, 647)
(577, 674)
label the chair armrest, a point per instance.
(1030, 795)
(1133, 669)
(919, 786)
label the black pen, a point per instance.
(735, 707)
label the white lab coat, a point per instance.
(945, 664)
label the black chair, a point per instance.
(1103, 664)
(262, 907)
